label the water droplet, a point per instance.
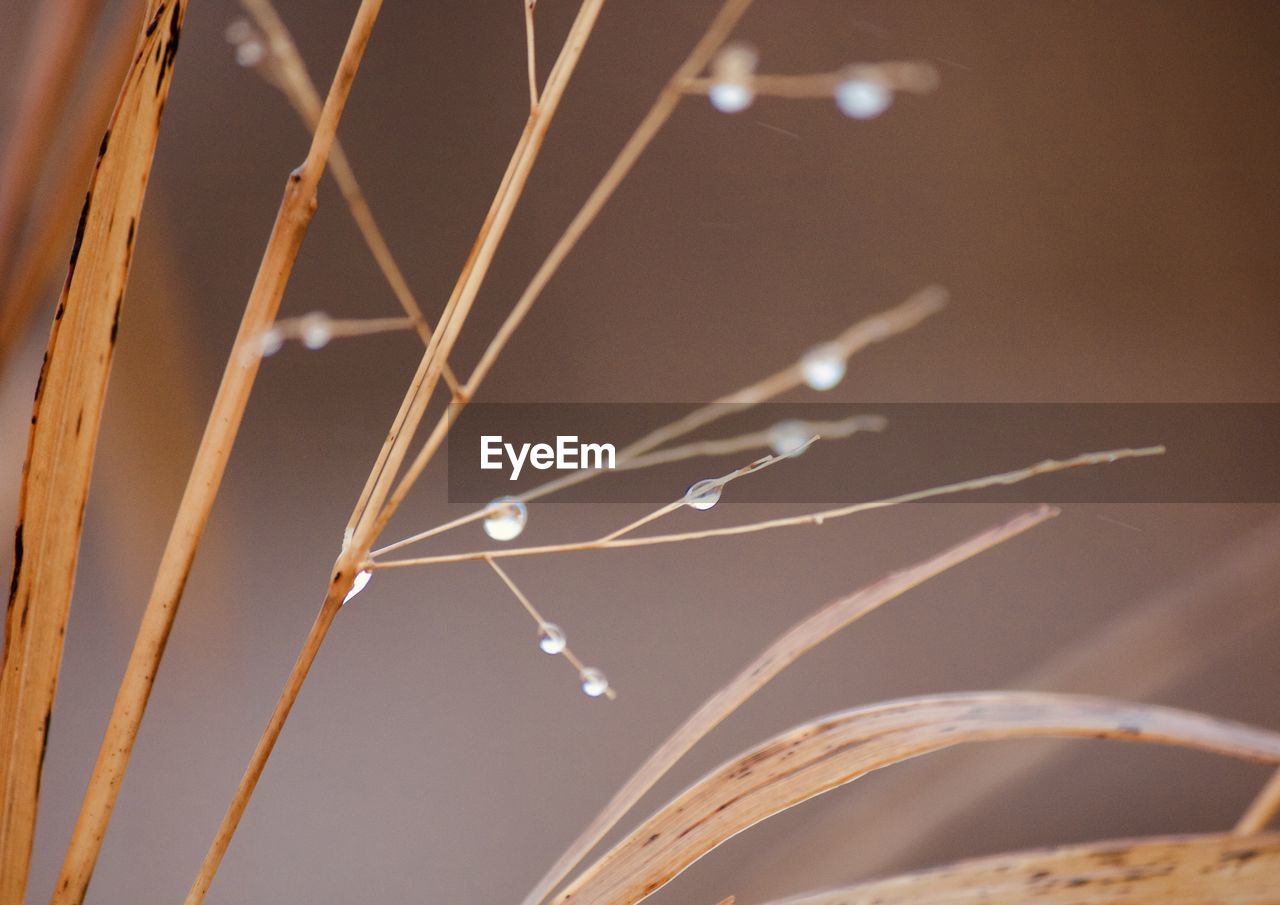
(823, 366)
(358, 585)
(316, 329)
(702, 495)
(731, 73)
(239, 30)
(506, 518)
(863, 98)
(270, 341)
(788, 438)
(250, 53)
(551, 638)
(730, 97)
(594, 682)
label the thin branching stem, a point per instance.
(570, 657)
(653, 121)
(1048, 466)
(285, 69)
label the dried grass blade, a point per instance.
(64, 432)
(801, 638)
(821, 755)
(1186, 870)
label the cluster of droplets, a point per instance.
(859, 93)
(251, 48)
(551, 640)
(314, 330)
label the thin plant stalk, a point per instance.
(296, 210)
(1262, 810)
(1048, 466)
(723, 23)
(289, 73)
(429, 371)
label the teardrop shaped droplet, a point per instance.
(702, 495)
(551, 638)
(823, 366)
(730, 97)
(358, 584)
(594, 682)
(789, 438)
(316, 329)
(506, 518)
(863, 98)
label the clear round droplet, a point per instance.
(594, 682)
(863, 98)
(702, 495)
(506, 518)
(271, 341)
(823, 366)
(316, 329)
(731, 97)
(239, 30)
(788, 438)
(358, 585)
(249, 53)
(551, 638)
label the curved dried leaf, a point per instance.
(821, 755)
(1186, 870)
(793, 644)
(64, 430)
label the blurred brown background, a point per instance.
(1097, 184)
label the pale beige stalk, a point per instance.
(1262, 810)
(284, 67)
(401, 433)
(1048, 466)
(658, 114)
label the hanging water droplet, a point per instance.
(863, 98)
(270, 341)
(823, 366)
(358, 584)
(594, 682)
(702, 495)
(250, 53)
(789, 438)
(506, 518)
(730, 97)
(551, 638)
(732, 70)
(316, 329)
